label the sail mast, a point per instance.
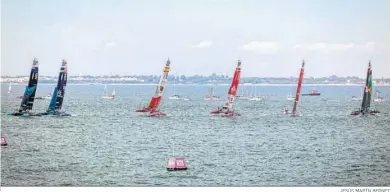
(233, 87)
(299, 87)
(367, 91)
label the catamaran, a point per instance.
(176, 96)
(29, 93)
(227, 109)
(58, 93)
(211, 96)
(378, 97)
(9, 88)
(112, 96)
(366, 102)
(294, 111)
(155, 102)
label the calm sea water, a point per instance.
(106, 143)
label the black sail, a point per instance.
(59, 91)
(29, 93)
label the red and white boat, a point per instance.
(155, 102)
(227, 109)
(313, 93)
(294, 111)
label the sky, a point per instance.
(127, 37)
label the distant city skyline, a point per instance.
(130, 37)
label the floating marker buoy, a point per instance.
(3, 141)
(176, 164)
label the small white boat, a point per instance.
(9, 88)
(378, 98)
(257, 98)
(290, 97)
(176, 96)
(112, 96)
(354, 98)
(211, 97)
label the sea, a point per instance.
(106, 143)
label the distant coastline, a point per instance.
(215, 80)
(152, 84)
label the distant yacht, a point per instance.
(290, 97)
(378, 98)
(211, 96)
(176, 96)
(242, 95)
(354, 98)
(105, 96)
(256, 98)
(9, 88)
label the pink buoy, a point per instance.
(176, 164)
(3, 141)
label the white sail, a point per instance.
(113, 92)
(105, 90)
(10, 87)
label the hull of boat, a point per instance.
(108, 97)
(157, 114)
(225, 113)
(211, 99)
(24, 114)
(355, 113)
(311, 94)
(54, 114)
(145, 110)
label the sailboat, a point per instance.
(227, 109)
(112, 96)
(242, 96)
(256, 98)
(290, 97)
(313, 93)
(155, 102)
(9, 88)
(29, 93)
(176, 96)
(211, 96)
(378, 97)
(294, 111)
(366, 102)
(58, 93)
(354, 98)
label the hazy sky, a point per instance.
(271, 37)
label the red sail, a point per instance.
(155, 102)
(299, 87)
(236, 80)
(233, 87)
